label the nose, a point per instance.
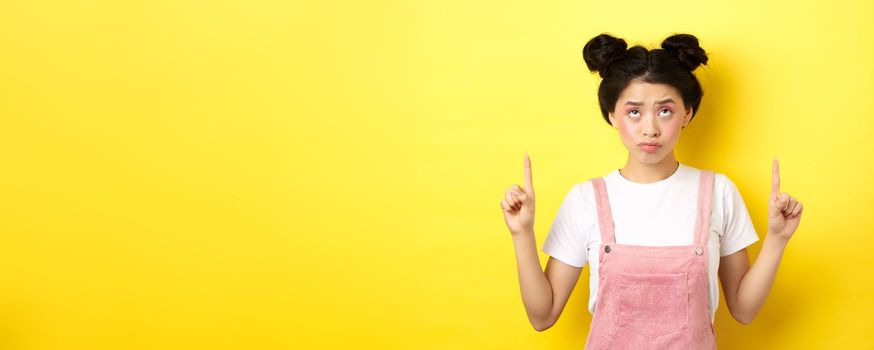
(650, 129)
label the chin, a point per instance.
(650, 158)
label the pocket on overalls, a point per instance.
(653, 304)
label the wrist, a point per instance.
(776, 239)
(523, 236)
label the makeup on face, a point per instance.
(665, 108)
(650, 117)
(649, 148)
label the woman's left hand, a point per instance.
(784, 211)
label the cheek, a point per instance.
(625, 130)
(675, 124)
(671, 129)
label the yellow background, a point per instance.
(271, 174)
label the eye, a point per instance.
(631, 114)
(667, 112)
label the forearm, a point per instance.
(756, 284)
(536, 290)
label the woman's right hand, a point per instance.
(518, 206)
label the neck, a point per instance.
(644, 173)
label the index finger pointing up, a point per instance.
(529, 185)
(775, 177)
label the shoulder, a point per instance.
(722, 184)
(578, 203)
(581, 192)
(726, 194)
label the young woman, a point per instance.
(656, 232)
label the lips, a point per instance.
(649, 147)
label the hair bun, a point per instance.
(601, 50)
(685, 46)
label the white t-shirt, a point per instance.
(653, 214)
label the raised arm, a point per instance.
(745, 287)
(544, 293)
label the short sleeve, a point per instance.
(738, 229)
(567, 237)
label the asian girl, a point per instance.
(656, 232)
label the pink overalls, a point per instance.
(653, 297)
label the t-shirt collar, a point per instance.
(626, 182)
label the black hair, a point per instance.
(672, 64)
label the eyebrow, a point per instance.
(634, 103)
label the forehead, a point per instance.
(648, 93)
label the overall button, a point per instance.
(607, 249)
(699, 251)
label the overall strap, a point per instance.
(605, 218)
(702, 219)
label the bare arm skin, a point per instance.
(544, 294)
(746, 288)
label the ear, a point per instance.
(689, 114)
(612, 120)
